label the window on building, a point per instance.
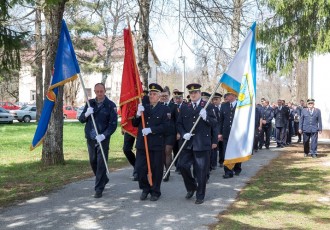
(32, 95)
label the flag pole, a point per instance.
(93, 120)
(142, 114)
(192, 129)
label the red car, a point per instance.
(69, 112)
(8, 105)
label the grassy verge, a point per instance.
(293, 192)
(22, 175)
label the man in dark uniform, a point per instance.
(170, 137)
(156, 123)
(178, 101)
(227, 113)
(129, 141)
(280, 115)
(310, 125)
(287, 117)
(299, 110)
(196, 150)
(105, 116)
(216, 101)
(267, 115)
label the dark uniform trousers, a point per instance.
(156, 170)
(200, 162)
(310, 137)
(97, 163)
(127, 148)
(155, 118)
(265, 135)
(221, 152)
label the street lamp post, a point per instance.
(183, 59)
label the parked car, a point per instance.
(8, 105)
(26, 113)
(79, 111)
(5, 116)
(69, 112)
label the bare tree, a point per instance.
(52, 150)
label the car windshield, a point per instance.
(2, 110)
(25, 107)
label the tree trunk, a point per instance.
(143, 41)
(302, 80)
(52, 151)
(236, 25)
(38, 61)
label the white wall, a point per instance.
(319, 85)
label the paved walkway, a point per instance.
(74, 207)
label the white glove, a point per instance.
(146, 131)
(99, 138)
(89, 111)
(203, 114)
(140, 110)
(187, 136)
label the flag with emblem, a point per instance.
(131, 88)
(240, 77)
(66, 69)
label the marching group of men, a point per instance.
(169, 125)
(290, 120)
(202, 131)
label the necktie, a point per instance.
(194, 105)
(311, 112)
(231, 106)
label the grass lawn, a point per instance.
(292, 192)
(22, 175)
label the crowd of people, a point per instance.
(282, 121)
(198, 133)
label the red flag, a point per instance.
(131, 87)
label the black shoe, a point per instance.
(98, 195)
(106, 181)
(167, 177)
(267, 147)
(221, 165)
(135, 177)
(314, 156)
(260, 147)
(255, 150)
(237, 173)
(278, 146)
(154, 198)
(226, 176)
(190, 194)
(282, 146)
(198, 201)
(144, 195)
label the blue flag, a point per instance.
(66, 69)
(240, 79)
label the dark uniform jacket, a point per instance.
(281, 116)
(157, 120)
(105, 118)
(171, 130)
(203, 138)
(226, 119)
(267, 114)
(310, 123)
